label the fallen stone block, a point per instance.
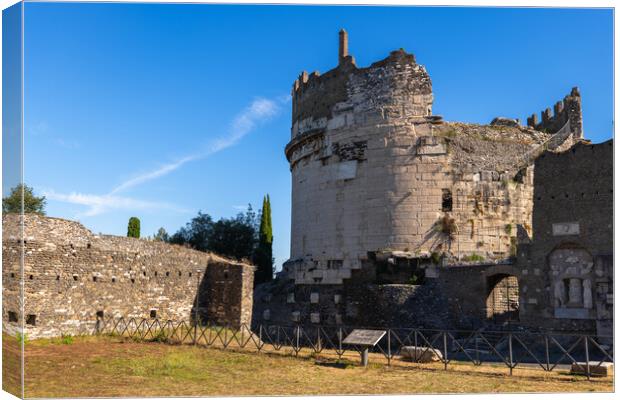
(604, 369)
(420, 354)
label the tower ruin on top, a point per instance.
(376, 176)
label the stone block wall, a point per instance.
(570, 259)
(72, 277)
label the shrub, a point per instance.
(22, 337)
(66, 339)
(448, 226)
(473, 257)
(435, 257)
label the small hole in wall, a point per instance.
(31, 277)
(113, 280)
(99, 314)
(190, 274)
(12, 275)
(144, 273)
(133, 280)
(13, 316)
(167, 273)
(88, 245)
(153, 313)
(179, 273)
(75, 277)
(566, 195)
(57, 277)
(31, 319)
(155, 273)
(94, 279)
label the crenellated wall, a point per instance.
(73, 277)
(566, 116)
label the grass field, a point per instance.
(107, 367)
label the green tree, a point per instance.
(231, 237)
(133, 227)
(263, 256)
(32, 204)
(161, 235)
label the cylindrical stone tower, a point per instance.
(349, 127)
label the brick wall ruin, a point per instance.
(72, 277)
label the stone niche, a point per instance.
(572, 280)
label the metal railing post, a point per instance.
(297, 341)
(389, 347)
(445, 351)
(585, 343)
(547, 351)
(339, 343)
(510, 351)
(260, 337)
(195, 327)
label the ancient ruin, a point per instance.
(73, 278)
(399, 217)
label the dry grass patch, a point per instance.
(108, 367)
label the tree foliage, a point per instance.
(133, 227)
(32, 204)
(263, 256)
(231, 237)
(161, 235)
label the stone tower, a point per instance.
(376, 176)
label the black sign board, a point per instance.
(364, 337)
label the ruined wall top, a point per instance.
(314, 95)
(62, 232)
(566, 116)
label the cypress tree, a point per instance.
(264, 251)
(133, 227)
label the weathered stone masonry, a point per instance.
(73, 277)
(400, 218)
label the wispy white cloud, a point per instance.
(154, 174)
(99, 203)
(72, 145)
(259, 111)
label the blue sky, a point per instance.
(159, 111)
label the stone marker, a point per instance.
(420, 354)
(604, 369)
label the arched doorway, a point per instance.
(503, 298)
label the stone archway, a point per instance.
(503, 298)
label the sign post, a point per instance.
(366, 338)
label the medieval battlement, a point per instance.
(319, 98)
(566, 116)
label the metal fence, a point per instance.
(512, 349)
